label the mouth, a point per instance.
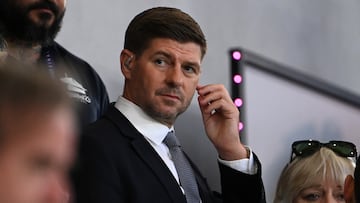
(171, 96)
(45, 8)
(44, 11)
(42, 15)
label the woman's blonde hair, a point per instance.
(305, 172)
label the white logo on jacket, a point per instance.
(76, 90)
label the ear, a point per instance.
(127, 59)
(349, 189)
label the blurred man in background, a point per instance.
(36, 138)
(27, 32)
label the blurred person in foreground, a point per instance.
(352, 185)
(316, 172)
(132, 154)
(36, 138)
(27, 32)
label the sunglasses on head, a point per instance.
(304, 148)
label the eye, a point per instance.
(160, 62)
(311, 197)
(189, 69)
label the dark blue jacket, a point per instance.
(83, 83)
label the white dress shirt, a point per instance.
(155, 132)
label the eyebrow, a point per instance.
(195, 65)
(167, 55)
(339, 187)
(313, 186)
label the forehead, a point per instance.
(24, 125)
(51, 135)
(187, 51)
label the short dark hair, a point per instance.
(25, 89)
(163, 22)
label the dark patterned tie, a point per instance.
(183, 168)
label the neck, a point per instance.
(23, 51)
(165, 120)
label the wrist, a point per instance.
(236, 153)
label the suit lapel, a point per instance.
(159, 168)
(145, 151)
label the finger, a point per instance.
(214, 96)
(220, 106)
(212, 108)
(206, 89)
(211, 97)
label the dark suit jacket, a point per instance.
(117, 164)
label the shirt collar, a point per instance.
(147, 126)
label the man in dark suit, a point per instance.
(127, 156)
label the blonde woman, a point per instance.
(316, 172)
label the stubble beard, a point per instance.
(167, 118)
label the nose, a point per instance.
(61, 4)
(330, 199)
(175, 76)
